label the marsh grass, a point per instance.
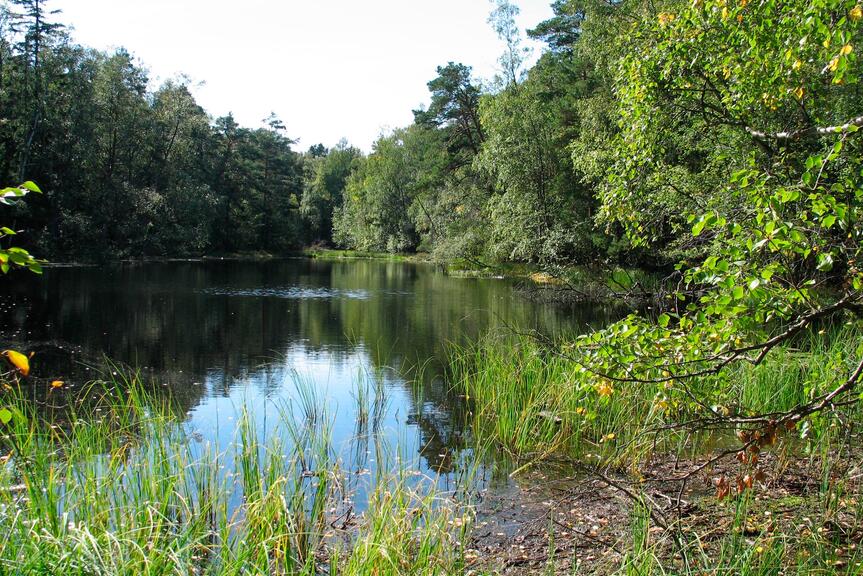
(534, 402)
(331, 254)
(758, 536)
(123, 489)
(527, 401)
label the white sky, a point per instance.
(328, 68)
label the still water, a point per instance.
(217, 336)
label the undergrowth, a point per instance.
(534, 401)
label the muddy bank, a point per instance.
(562, 521)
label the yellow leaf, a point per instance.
(604, 389)
(18, 360)
(846, 50)
(856, 13)
(799, 93)
(834, 64)
(608, 437)
(57, 383)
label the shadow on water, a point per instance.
(369, 338)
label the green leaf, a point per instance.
(790, 195)
(663, 320)
(31, 186)
(825, 262)
(5, 416)
(705, 220)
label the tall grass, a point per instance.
(527, 400)
(762, 536)
(533, 401)
(122, 489)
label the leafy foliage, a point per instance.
(126, 171)
(773, 87)
(326, 178)
(14, 256)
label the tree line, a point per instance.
(128, 171)
(593, 153)
(484, 172)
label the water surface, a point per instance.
(219, 335)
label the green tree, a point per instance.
(533, 214)
(121, 150)
(35, 31)
(178, 172)
(562, 30)
(279, 186)
(449, 195)
(455, 108)
(502, 20)
(378, 197)
(774, 86)
(324, 189)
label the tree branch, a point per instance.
(811, 131)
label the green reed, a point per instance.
(118, 487)
(534, 402)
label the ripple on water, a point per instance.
(289, 292)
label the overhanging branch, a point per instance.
(811, 131)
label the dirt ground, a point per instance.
(559, 520)
(556, 518)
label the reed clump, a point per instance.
(124, 489)
(535, 399)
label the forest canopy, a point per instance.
(636, 121)
(133, 170)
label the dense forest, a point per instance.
(553, 164)
(131, 172)
(485, 171)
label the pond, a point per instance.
(366, 339)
